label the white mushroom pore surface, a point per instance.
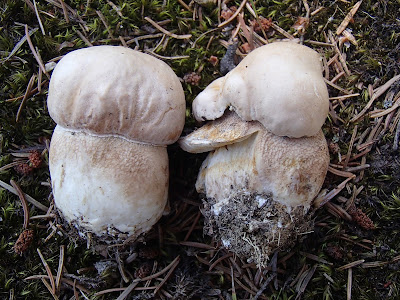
(116, 110)
(267, 148)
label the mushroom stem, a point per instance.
(291, 170)
(110, 190)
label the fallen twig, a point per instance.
(348, 18)
(163, 30)
(226, 22)
(46, 266)
(351, 265)
(376, 94)
(27, 197)
(25, 207)
(39, 61)
(27, 92)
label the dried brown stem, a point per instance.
(46, 266)
(163, 30)
(25, 207)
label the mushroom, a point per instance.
(268, 157)
(116, 110)
(279, 84)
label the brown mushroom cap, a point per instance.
(117, 91)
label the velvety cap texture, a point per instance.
(117, 91)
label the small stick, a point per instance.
(282, 31)
(349, 283)
(315, 258)
(306, 280)
(27, 92)
(335, 191)
(29, 3)
(23, 201)
(64, 280)
(353, 136)
(233, 284)
(340, 56)
(396, 137)
(336, 86)
(162, 271)
(340, 173)
(176, 36)
(76, 295)
(229, 254)
(167, 57)
(192, 227)
(338, 76)
(65, 11)
(358, 168)
(121, 267)
(27, 197)
(118, 10)
(38, 18)
(226, 22)
(83, 38)
(197, 245)
(318, 43)
(128, 290)
(377, 93)
(185, 5)
(338, 211)
(348, 18)
(386, 111)
(123, 41)
(344, 97)
(351, 265)
(47, 285)
(46, 266)
(172, 268)
(103, 20)
(39, 61)
(60, 268)
(47, 216)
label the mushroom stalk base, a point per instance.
(107, 186)
(254, 226)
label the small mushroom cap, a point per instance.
(117, 91)
(228, 129)
(279, 84)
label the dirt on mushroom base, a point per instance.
(254, 226)
(98, 244)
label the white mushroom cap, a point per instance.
(113, 90)
(279, 84)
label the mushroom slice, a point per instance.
(224, 131)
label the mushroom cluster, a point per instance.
(116, 110)
(268, 156)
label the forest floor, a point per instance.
(353, 251)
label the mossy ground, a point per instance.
(312, 268)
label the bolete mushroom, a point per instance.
(280, 85)
(269, 156)
(116, 110)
